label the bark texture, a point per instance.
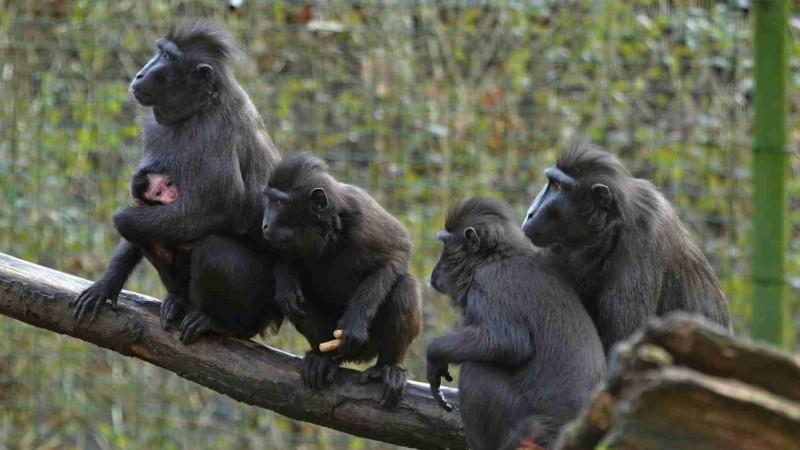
(684, 383)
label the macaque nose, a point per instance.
(139, 76)
(527, 218)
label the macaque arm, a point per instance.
(167, 222)
(491, 337)
(368, 298)
(207, 205)
(125, 258)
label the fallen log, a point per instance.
(241, 369)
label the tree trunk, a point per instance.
(241, 369)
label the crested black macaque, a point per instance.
(621, 244)
(202, 130)
(351, 260)
(529, 353)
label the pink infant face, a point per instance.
(161, 189)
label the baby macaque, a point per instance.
(148, 189)
(159, 190)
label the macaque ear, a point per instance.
(319, 200)
(602, 195)
(204, 71)
(473, 240)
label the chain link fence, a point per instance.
(420, 102)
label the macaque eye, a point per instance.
(555, 185)
(158, 193)
(169, 183)
(164, 55)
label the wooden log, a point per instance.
(241, 369)
(685, 383)
(706, 348)
(674, 407)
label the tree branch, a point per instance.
(243, 370)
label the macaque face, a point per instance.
(161, 189)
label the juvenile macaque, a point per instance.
(529, 353)
(350, 259)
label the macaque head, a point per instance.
(475, 231)
(160, 189)
(301, 206)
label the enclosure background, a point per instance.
(419, 102)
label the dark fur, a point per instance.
(629, 258)
(202, 130)
(530, 355)
(208, 42)
(351, 258)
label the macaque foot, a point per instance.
(172, 308)
(319, 370)
(394, 379)
(195, 324)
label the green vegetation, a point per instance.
(417, 103)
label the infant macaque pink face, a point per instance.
(161, 189)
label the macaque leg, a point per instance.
(396, 326)
(319, 369)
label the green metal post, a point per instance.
(770, 170)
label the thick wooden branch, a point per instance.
(705, 348)
(241, 369)
(684, 383)
(674, 407)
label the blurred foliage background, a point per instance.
(421, 102)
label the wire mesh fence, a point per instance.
(420, 102)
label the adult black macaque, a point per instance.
(529, 353)
(351, 258)
(202, 131)
(621, 244)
